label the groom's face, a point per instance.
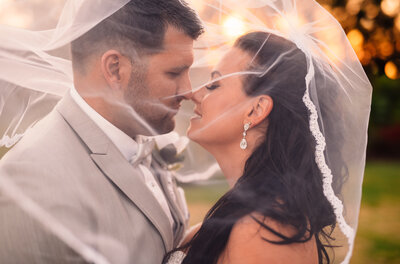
(156, 89)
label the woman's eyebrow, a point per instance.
(215, 73)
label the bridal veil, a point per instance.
(36, 71)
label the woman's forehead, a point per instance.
(235, 60)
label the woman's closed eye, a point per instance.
(212, 86)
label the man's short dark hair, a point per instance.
(138, 27)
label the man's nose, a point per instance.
(186, 89)
(198, 94)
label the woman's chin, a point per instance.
(194, 133)
(191, 133)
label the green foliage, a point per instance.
(384, 249)
(205, 193)
(385, 108)
(381, 183)
(384, 126)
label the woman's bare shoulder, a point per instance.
(247, 244)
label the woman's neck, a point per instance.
(231, 159)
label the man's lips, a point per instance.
(175, 108)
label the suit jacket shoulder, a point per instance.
(67, 166)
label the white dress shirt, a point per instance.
(128, 147)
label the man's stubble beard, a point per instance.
(137, 97)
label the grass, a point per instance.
(381, 183)
(378, 235)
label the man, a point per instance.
(83, 164)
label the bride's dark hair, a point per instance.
(281, 179)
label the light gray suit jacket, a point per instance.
(69, 167)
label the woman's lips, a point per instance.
(197, 114)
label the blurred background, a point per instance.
(373, 29)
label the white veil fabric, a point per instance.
(36, 71)
(28, 60)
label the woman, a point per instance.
(257, 128)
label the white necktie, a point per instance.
(142, 160)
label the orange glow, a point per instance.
(397, 22)
(234, 27)
(386, 48)
(334, 52)
(340, 14)
(367, 23)
(391, 70)
(390, 7)
(371, 48)
(213, 56)
(365, 57)
(356, 38)
(196, 5)
(353, 6)
(371, 10)
(12, 15)
(289, 22)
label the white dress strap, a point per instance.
(176, 257)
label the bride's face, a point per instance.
(220, 108)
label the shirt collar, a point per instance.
(125, 144)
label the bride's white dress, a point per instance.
(176, 258)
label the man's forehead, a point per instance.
(176, 40)
(177, 50)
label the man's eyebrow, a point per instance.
(215, 73)
(180, 68)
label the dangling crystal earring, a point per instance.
(243, 142)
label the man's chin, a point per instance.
(166, 125)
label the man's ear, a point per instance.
(115, 68)
(261, 107)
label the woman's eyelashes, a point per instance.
(212, 86)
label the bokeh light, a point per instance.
(356, 39)
(397, 22)
(385, 49)
(391, 70)
(390, 7)
(234, 26)
(289, 23)
(353, 6)
(11, 15)
(371, 11)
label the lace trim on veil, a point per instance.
(325, 170)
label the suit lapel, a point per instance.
(129, 181)
(112, 163)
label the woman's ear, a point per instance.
(115, 70)
(261, 107)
